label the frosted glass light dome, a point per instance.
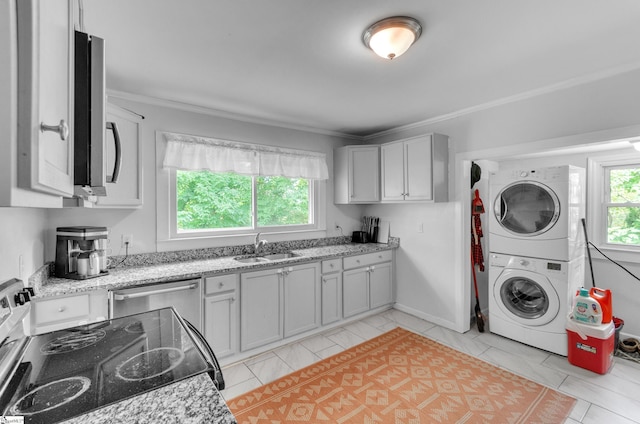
(391, 37)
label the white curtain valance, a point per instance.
(193, 153)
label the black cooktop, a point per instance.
(70, 372)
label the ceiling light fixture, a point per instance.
(391, 37)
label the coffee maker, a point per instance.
(81, 252)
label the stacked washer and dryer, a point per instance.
(536, 246)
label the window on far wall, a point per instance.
(214, 202)
(621, 205)
(614, 203)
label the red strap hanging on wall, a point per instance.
(477, 208)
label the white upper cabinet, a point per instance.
(415, 169)
(127, 191)
(356, 173)
(45, 95)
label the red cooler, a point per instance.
(591, 346)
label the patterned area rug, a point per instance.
(401, 377)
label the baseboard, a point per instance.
(427, 317)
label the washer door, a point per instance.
(526, 297)
(526, 208)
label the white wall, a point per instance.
(141, 223)
(22, 234)
(542, 122)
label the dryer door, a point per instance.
(526, 208)
(526, 297)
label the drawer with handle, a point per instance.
(62, 309)
(220, 283)
(331, 265)
(367, 259)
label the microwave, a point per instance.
(90, 124)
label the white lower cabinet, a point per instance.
(221, 314)
(261, 308)
(355, 292)
(301, 298)
(380, 285)
(367, 282)
(331, 291)
(65, 311)
(278, 303)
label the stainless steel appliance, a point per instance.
(81, 252)
(55, 376)
(184, 296)
(90, 165)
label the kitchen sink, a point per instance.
(251, 260)
(277, 256)
(265, 258)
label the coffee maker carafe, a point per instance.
(84, 244)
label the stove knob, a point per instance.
(20, 298)
(23, 296)
(524, 174)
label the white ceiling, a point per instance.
(302, 62)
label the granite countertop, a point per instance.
(186, 269)
(191, 401)
(194, 400)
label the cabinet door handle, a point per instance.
(233, 299)
(62, 308)
(371, 269)
(118, 162)
(62, 128)
(221, 285)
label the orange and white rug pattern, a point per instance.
(401, 377)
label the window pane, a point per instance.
(625, 185)
(623, 225)
(282, 201)
(212, 201)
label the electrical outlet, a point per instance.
(127, 239)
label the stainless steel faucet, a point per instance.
(257, 244)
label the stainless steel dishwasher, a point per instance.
(184, 296)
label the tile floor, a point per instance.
(612, 398)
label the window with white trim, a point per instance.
(207, 201)
(622, 204)
(221, 187)
(614, 202)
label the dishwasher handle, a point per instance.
(121, 296)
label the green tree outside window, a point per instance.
(214, 201)
(623, 205)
